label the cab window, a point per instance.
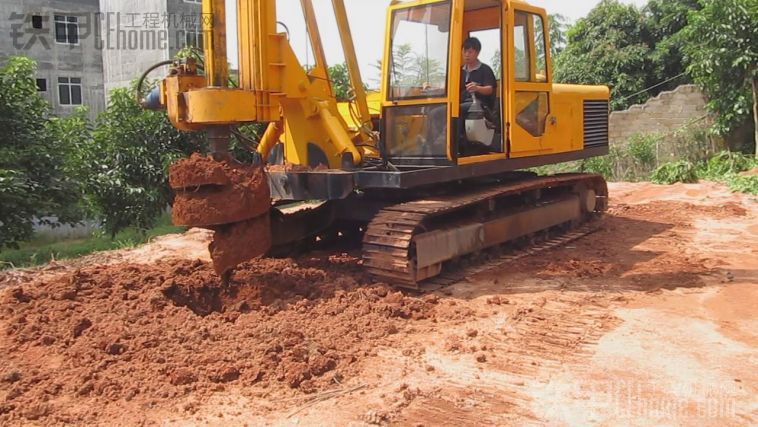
(521, 47)
(418, 59)
(540, 49)
(530, 48)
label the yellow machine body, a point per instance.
(405, 168)
(536, 117)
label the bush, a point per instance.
(724, 167)
(727, 163)
(33, 182)
(599, 165)
(606, 165)
(743, 184)
(641, 148)
(670, 173)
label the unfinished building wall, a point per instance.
(60, 35)
(139, 33)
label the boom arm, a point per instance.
(352, 64)
(274, 88)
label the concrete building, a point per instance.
(139, 33)
(86, 48)
(59, 35)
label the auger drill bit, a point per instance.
(229, 198)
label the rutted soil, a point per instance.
(647, 320)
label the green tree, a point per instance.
(340, 78)
(558, 27)
(402, 66)
(340, 81)
(722, 47)
(608, 47)
(428, 70)
(639, 53)
(665, 21)
(496, 63)
(124, 167)
(33, 183)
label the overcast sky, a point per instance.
(367, 22)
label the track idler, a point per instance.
(231, 199)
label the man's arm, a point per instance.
(487, 87)
(474, 87)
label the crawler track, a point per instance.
(457, 275)
(407, 244)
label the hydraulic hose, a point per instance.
(144, 75)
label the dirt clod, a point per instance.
(19, 295)
(81, 326)
(11, 377)
(227, 375)
(219, 193)
(183, 376)
(231, 199)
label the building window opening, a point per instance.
(193, 38)
(37, 22)
(70, 90)
(67, 29)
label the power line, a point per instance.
(653, 87)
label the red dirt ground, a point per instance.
(649, 320)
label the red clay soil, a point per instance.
(288, 167)
(202, 200)
(231, 200)
(236, 243)
(149, 335)
(197, 171)
(168, 342)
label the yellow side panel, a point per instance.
(568, 111)
(564, 125)
(210, 106)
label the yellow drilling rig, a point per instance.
(420, 180)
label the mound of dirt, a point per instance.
(152, 334)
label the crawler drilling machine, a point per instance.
(401, 168)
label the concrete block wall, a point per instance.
(664, 114)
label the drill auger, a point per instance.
(231, 199)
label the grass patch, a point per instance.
(743, 184)
(724, 167)
(44, 249)
(671, 173)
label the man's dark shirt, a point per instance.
(484, 76)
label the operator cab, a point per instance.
(422, 123)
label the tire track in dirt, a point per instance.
(487, 373)
(574, 292)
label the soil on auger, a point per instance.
(231, 199)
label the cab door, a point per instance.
(530, 81)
